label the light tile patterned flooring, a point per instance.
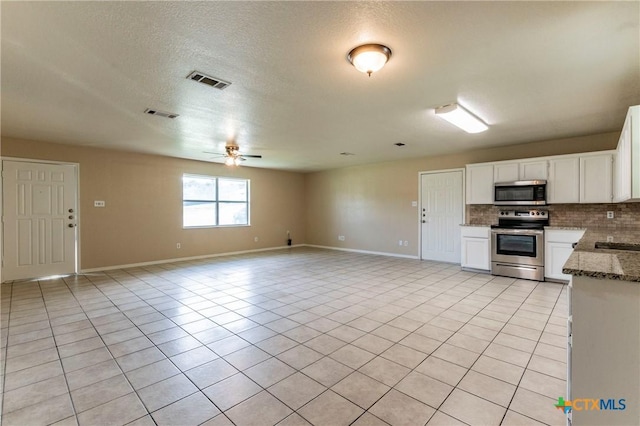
(289, 337)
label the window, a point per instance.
(214, 201)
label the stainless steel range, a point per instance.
(517, 244)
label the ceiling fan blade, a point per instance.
(251, 156)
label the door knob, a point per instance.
(424, 221)
(71, 225)
(70, 210)
(71, 217)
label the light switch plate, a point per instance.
(99, 203)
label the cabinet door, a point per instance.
(622, 181)
(556, 256)
(475, 253)
(505, 172)
(534, 170)
(563, 185)
(480, 184)
(596, 174)
(634, 139)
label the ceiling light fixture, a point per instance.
(232, 156)
(462, 118)
(369, 58)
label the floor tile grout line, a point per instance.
(411, 370)
(76, 413)
(353, 289)
(167, 358)
(498, 332)
(57, 351)
(4, 357)
(469, 368)
(532, 353)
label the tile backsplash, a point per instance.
(626, 215)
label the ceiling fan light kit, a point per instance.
(369, 58)
(461, 118)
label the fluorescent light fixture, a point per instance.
(462, 118)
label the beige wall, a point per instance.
(371, 205)
(142, 220)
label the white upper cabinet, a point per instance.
(627, 166)
(506, 172)
(479, 184)
(534, 170)
(573, 178)
(596, 179)
(563, 185)
(520, 170)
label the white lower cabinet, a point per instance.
(557, 249)
(476, 248)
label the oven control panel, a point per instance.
(523, 214)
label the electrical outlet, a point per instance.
(178, 245)
(341, 237)
(399, 242)
(255, 239)
(406, 243)
(609, 238)
(609, 215)
(99, 203)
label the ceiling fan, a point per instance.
(232, 156)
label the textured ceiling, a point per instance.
(84, 72)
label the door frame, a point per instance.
(76, 167)
(464, 200)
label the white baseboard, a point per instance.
(379, 253)
(181, 259)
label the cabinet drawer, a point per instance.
(563, 236)
(475, 231)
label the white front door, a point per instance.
(39, 219)
(441, 215)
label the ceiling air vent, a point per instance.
(160, 113)
(208, 80)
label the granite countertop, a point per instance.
(606, 262)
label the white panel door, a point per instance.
(39, 219)
(441, 216)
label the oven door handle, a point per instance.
(517, 231)
(527, 268)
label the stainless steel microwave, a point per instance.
(520, 193)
